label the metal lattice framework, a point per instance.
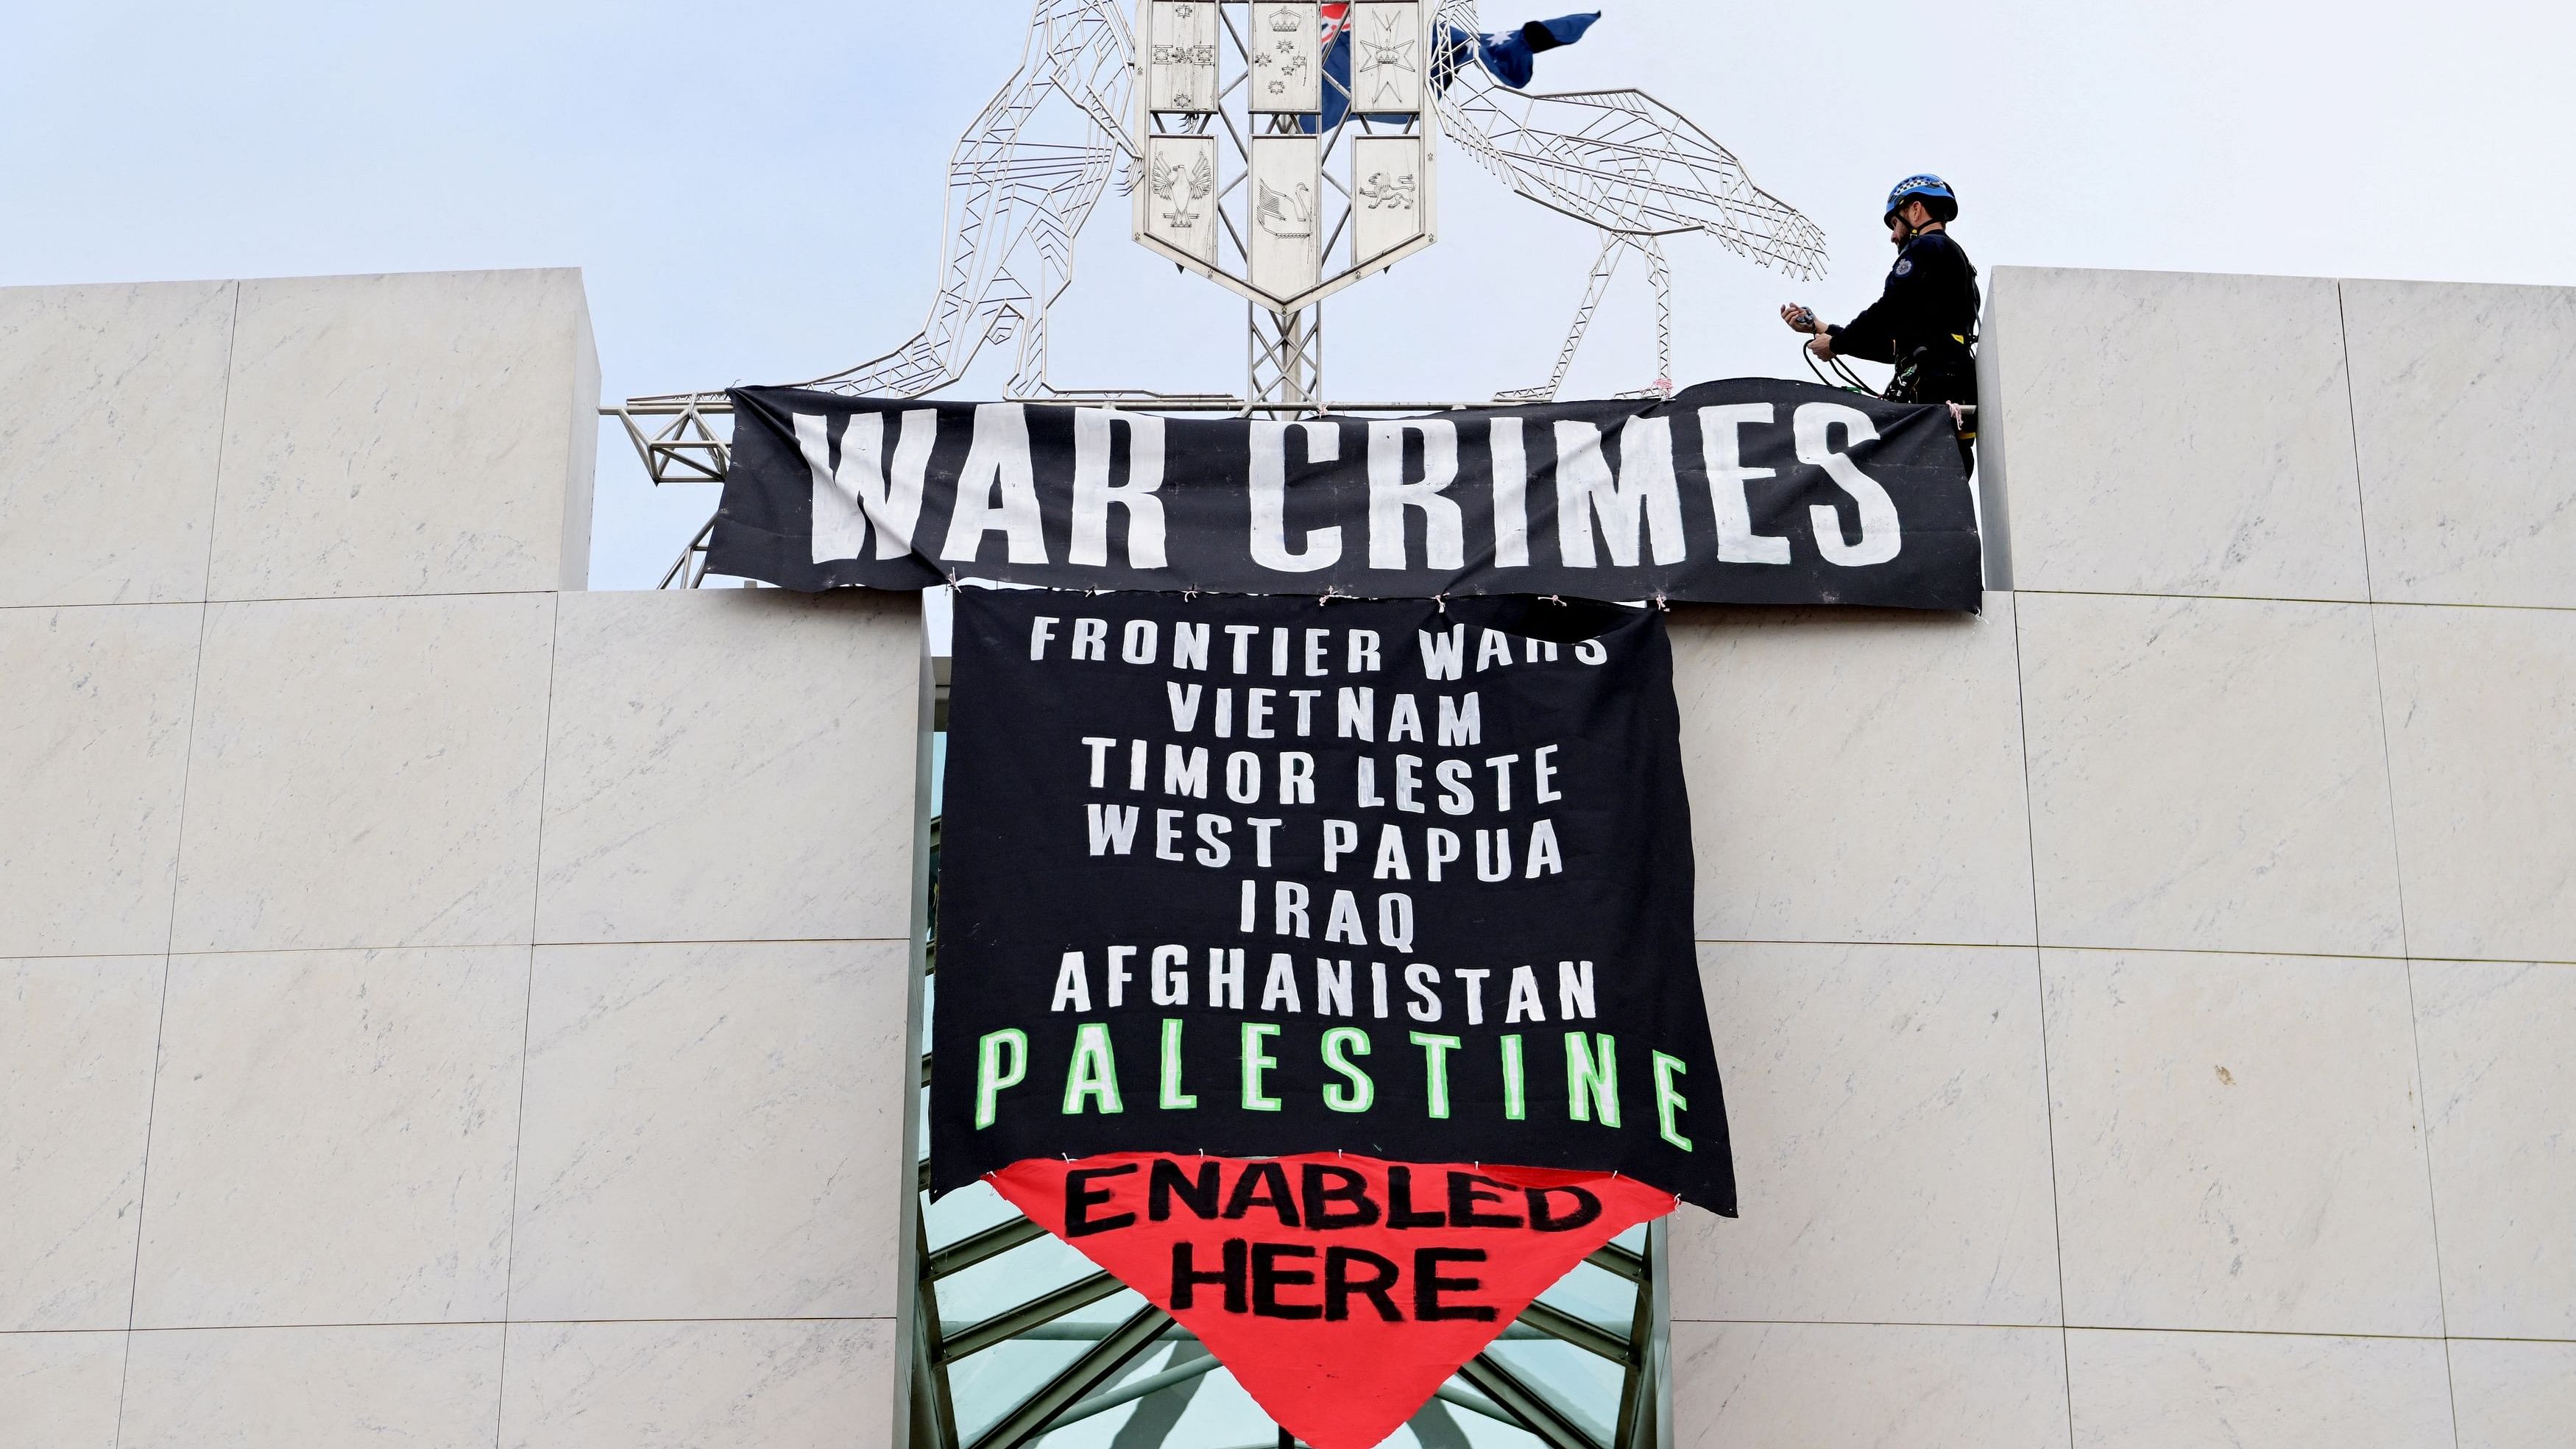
(1628, 164)
(1021, 184)
(1028, 173)
(1614, 247)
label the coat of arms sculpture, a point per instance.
(1284, 150)
(1287, 146)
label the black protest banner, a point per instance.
(1753, 491)
(1257, 876)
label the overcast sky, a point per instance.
(754, 191)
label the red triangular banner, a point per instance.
(1341, 1291)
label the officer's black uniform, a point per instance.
(1924, 323)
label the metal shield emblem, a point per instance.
(1178, 50)
(1178, 199)
(1287, 211)
(1287, 58)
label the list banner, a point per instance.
(1751, 491)
(1252, 877)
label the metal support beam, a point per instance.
(684, 449)
(1537, 1413)
(690, 569)
(1615, 1259)
(934, 1413)
(1474, 1403)
(1035, 1413)
(1638, 1392)
(1005, 1326)
(974, 1248)
(1558, 1324)
(1103, 1402)
(1285, 361)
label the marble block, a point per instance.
(1889, 1108)
(810, 1385)
(716, 1131)
(333, 1139)
(94, 736)
(366, 772)
(423, 1387)
(2468, 447)
(2514, 1395)
(2176, 433)
(731, 764)
(1992, 473)
(76, 1054)
(427, 433)
(60, 1390)
(2238, 1145)
(109, 445)
(2498, 1084)
(2207, 774)
(1867, 1386)
(1854, 775)
(2255, 1391)
(2482, 759)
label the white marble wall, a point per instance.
(2146, 1007)
(438, 1006)
(435, 1007)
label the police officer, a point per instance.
(1926, 321)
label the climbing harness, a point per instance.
(1963, 416)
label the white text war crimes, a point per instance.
(1236, 744)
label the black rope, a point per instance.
(1843, 377)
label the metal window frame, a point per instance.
(1096, 1381)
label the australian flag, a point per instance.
(1510, 56)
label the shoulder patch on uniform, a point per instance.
(1904, 265)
